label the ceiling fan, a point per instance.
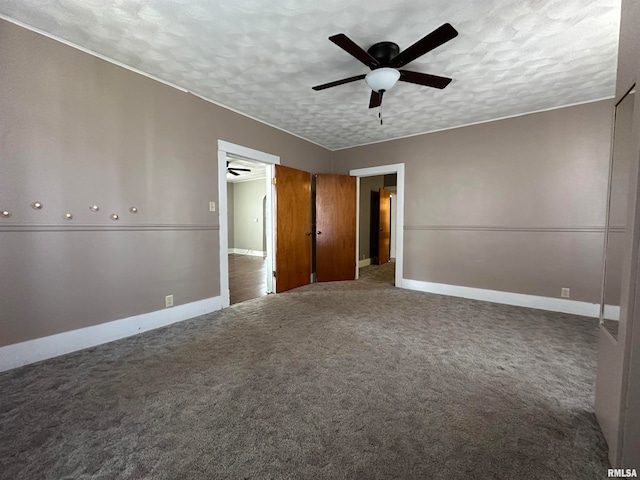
(234, 170)
(385, 60)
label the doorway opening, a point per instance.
(377, 219)
(246, 212)
(370, 253)
(246, 207)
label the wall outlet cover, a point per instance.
(168, 301)
(565, 292)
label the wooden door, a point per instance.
(335, 228)
(384, 227)
(293, 228)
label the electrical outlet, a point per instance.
(565, 292)
(212, 206)
(168, 301)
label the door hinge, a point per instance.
(274, 274)
(273, 181)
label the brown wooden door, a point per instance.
(293, 228)
(384, 229)
(335, 228)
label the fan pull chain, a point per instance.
(380, 113)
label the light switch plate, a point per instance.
(212, 206)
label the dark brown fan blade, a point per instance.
(375, 100)
(233, 173)
(436, 38)
(424, 79)
(339, 82)
(240, 169)
(354, 50)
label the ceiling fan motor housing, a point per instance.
(384, 52)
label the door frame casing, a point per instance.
(397, 168)
(269, 160)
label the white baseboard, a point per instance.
(244, 251)
(364, 263)
(517, 299)
(31, 351)
(611, 312)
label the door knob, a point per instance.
(309, 234)
(319, 232)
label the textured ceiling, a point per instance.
(261, 58)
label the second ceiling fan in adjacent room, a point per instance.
(234, 170)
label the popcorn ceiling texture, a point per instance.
(262, 58)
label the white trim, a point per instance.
(480, 122)
(270, 160)
(357, 228)
(612, 312)
(364, 263)
(397, 168)
(19, 354)
(248, 153)
(270, 229)
(508, 298)
(223, 232)
(245, 251)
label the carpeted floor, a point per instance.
(339, 380)
(384, 273)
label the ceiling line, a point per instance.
(90, 52)
(611, 97)
(184, 90)
(148, 75)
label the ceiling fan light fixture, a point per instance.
(382, 78)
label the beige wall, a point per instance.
(76, 130)
(247, 208)
(618, 377)
(516, 205)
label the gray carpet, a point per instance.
(384, 273)
(339, 380)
